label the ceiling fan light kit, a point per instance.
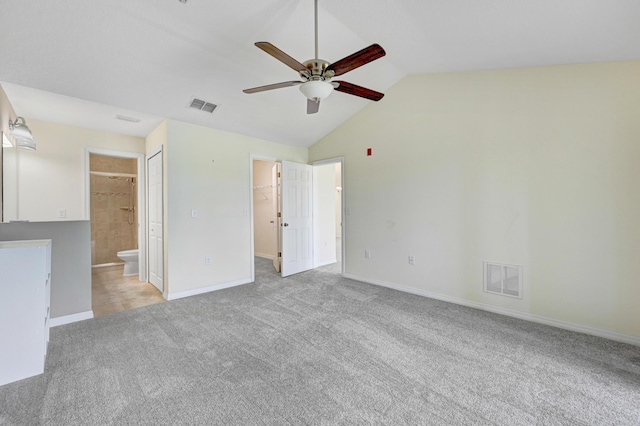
(316, 89)
(316, 74)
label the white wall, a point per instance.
(209, 170)
(263, 220)
(535, 167)
(324, 211)
(53, 177)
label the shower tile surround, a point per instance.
(110, 228)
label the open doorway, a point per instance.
(267, 196)
(265, 210)
(266, 221)
(328, 220)
(115, 207)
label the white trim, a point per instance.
(330, 262)
(158, 150)
(208, 289)
(611, 335)
(142, 182)
(68, 319)
(265, 256)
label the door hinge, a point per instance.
(279, 254)
(279, 214)
(278, 174)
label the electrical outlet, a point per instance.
(412, 260)
(62, 213)
(367, 254)
(207, 260)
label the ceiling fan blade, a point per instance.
(313, 106)
(355, 90)
(358, 59)
(272, 86)
(281, 56)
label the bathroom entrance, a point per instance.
(114, 214)
(115, 184)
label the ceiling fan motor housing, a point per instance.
(317, 68)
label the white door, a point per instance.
(156, 244)
(275, 219)
(297, 219)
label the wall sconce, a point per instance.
(21, 134)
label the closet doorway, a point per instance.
(266, 199)
(328, 229)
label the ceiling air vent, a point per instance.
(202, 105)
(129, 119)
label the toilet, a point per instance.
(130, 259)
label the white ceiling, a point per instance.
(82, 62)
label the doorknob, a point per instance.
(285, 224)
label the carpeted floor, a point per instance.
(319, 349)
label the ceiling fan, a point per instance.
(317, 73)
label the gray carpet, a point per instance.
(319, 349)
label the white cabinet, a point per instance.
(25, 275)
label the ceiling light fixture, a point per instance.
(316, 89)
(21, 134)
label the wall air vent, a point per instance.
(503, 279)
(202, 105)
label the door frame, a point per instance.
(334, 160)
(141, 199)
(158, 150)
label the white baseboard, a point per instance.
(611, 335)
(68, 319)
(264, 256)
(208, 289)
(330, 262)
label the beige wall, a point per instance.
(209, 170)
(535, 167)
(53, 177)
(7, 162)
(263, 221)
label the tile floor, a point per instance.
(111, 292)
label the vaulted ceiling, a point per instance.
(82, 62)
